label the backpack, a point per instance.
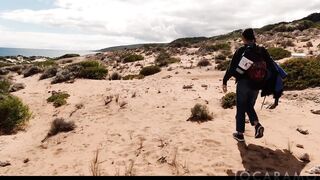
(253, 65)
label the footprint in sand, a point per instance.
(211, 143)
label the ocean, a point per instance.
(39, 52)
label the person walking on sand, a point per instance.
(249, 67)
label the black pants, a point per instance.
(246, 100)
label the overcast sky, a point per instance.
(96, 24)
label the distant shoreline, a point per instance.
(40, 52)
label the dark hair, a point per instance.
(248, 34)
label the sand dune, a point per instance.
(150, 135)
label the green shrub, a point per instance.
(97, 73)
(150, 70)
(49, 73)
(221, 46)
(87, 64)
(115, 76)
(131, 77)
(204, 63)
(302, 73)
(279, 53)
(3, 64)
(222, 65)
(229, 100)
(133, 58)
(68, 56)
(4, 86)
(58, 99)
(164, 59)
(13, 114)
(200, 113)
(45, 64)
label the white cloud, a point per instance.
(161, 20)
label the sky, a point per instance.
(97, 24)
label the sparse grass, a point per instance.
(150, 70)
(58, 99)
(129, 170)
(204, 63)
(302, 73)
(279, 53)
(229, 100)
(133, 58)
(200, 113)
(95, 165)
(60, 125)
(45, 64)
(4, 86)
(13, 114)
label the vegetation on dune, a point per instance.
(204, 63)
(133, 58)
(200, 113)
(68, 56)
(4, 86)
(302, 73)
(58, 99)
(164, 59)
(13, 114)
(229, 100)
(279, 53)
(135, 76)
(222, 65)
(150, 70)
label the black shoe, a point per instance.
(259, 131)
(238, 137)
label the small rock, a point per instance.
(187, 86)
(188, 72)
(304, 132)
(176, 73)
(314, 170)
(305, 157)
(204, 86)
(300, 146)
(167, 77)
(316, 112)
(5, 164)
(295, 95)
(26, 160)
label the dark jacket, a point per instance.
(231, 72)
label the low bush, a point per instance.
(150, 70)
(229, 100)
(131, 77)
(58, 99)
(133, 58)
(204, 63)
(302, 73)
(13, 114)
(200, 113)
(279, 53)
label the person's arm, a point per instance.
(232, 67)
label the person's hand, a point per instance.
(225, 88)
